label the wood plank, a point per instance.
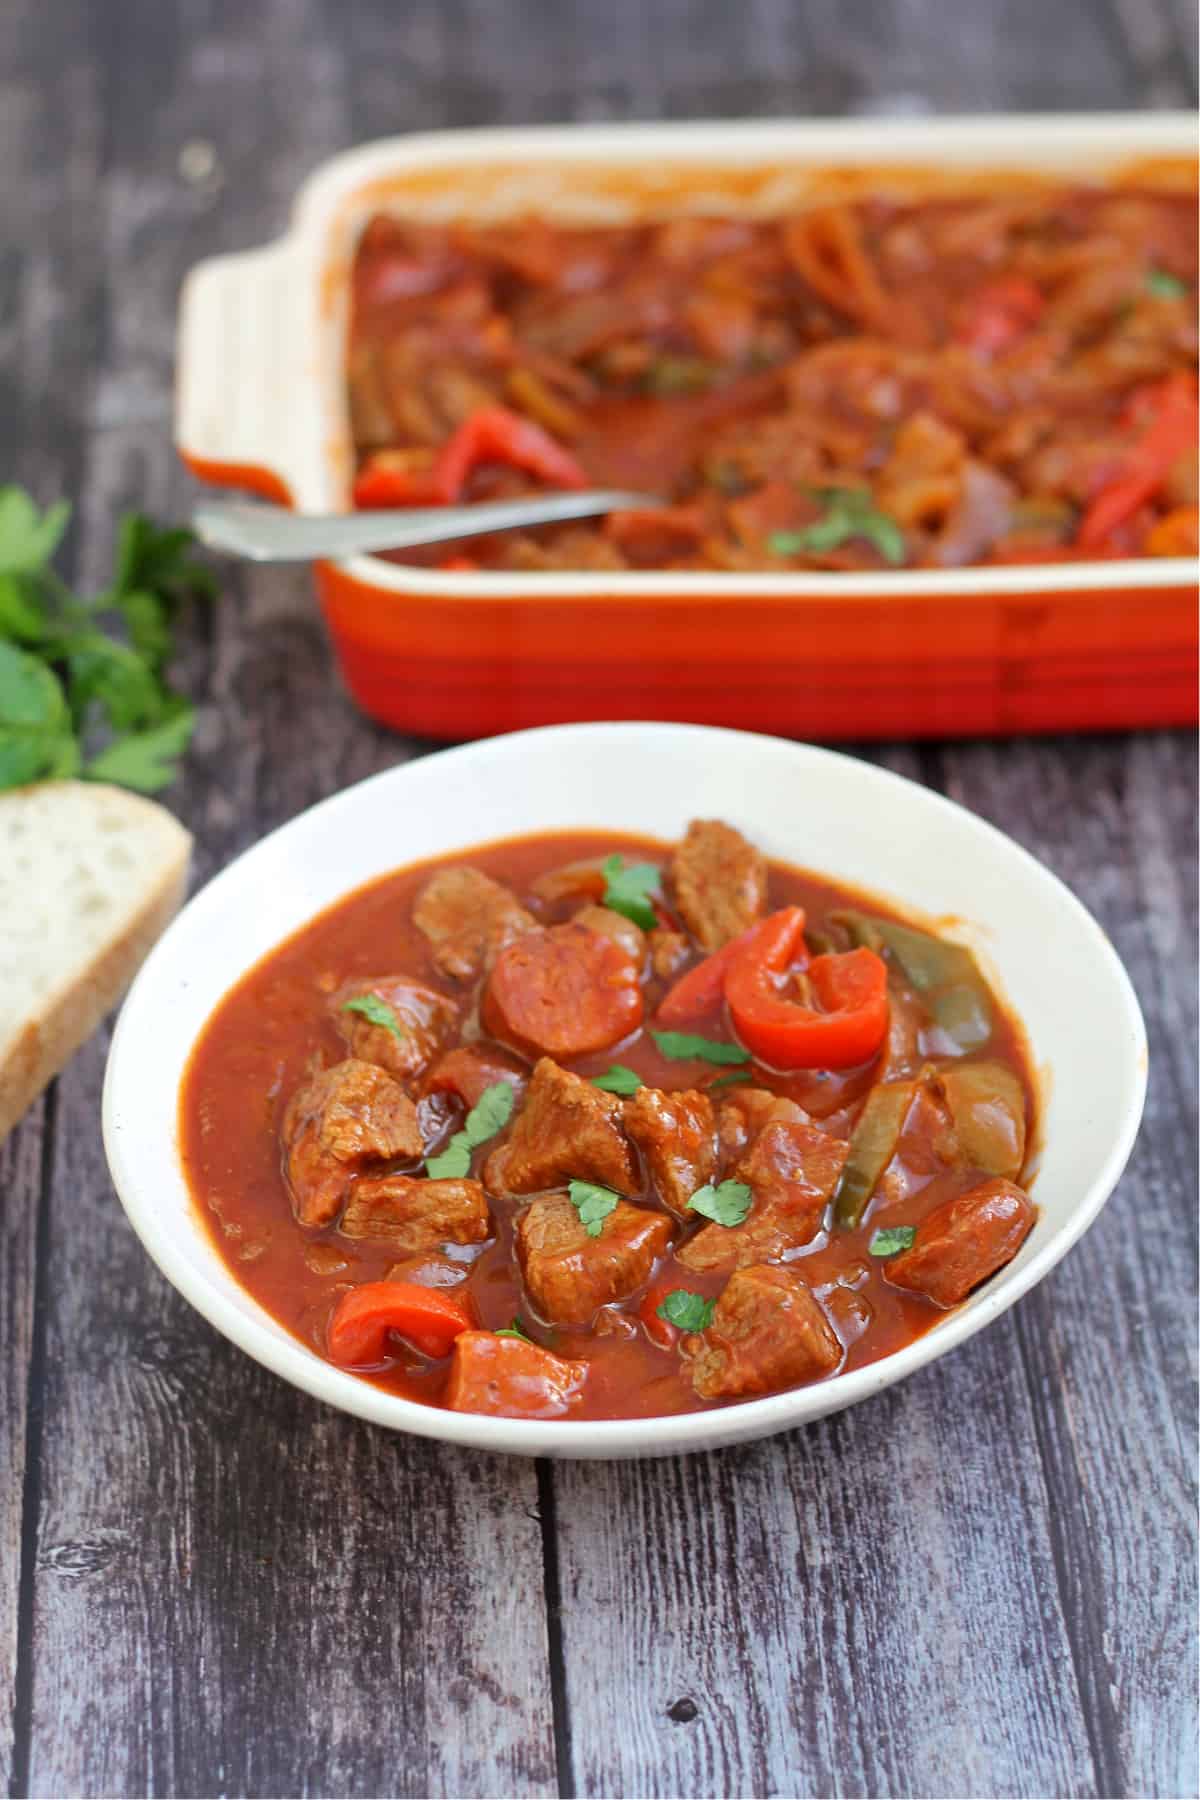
(865, 1606)
(1108, 1343)
(236, 1589)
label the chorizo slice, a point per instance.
(564, 992)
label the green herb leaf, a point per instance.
(376, 1012)
(731, 1080)
(690, 1312)
(453, 1162)
(36, 739)
(626, 889)
(100, 705)
(28, 538)
(147, 760)
(513, 1330)
(685, 1046)
(489, 1115)
(891, 1239)
(727, 1204)
(618, 1080)
(1165, 286)
(593, 1204)
(848, 514)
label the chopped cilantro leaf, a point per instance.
(618, 1080)
(453, 1162)
(690, 1312)
(626, 889)
(730, 1080)
(727, 1203)
(513, 1330)
(1165, 286)
(848, 514)
(593, 1204)
(685, 1046)
(889, 1240)
(489, 1115)
(376, 1012)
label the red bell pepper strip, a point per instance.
(702, 989)
(1171, 417)
(430, 1318)
(1001, 313)
(846, 1028)
(660, 1331)
(491, 435)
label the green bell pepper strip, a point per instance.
(872, 1146)
(944, 975)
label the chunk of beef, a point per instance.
(470, 1070)
(742, 1114)
(676, 1134)
(768, 1332)
(411, 1214)
(423, 1021)
(791, 1171)
(720, 882)
(468, 919)
(616, 926)
(569, 1276)
(963, 1241)
(668, 952)
(563, 992)
(429, 1268)
(511, 1379)
(566, 1129)
(337, 1124)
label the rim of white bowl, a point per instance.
(662, 1435)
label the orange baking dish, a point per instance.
(453, 654)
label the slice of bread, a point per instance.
(89, 876)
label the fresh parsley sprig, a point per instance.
(376, 1012)
(848, 514)
(627, 887)
(593, 1204)
(618, 1080)
(485, 1119)
(685, 1046)
(689, 1311)
(726, 1204)
(83, 689)
(890, 1240)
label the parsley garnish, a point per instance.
(724, 1081)
(626, 889)
(684, 1046)
(889, 1240)
(690, 1312)
(727, 1204)
(593, 1204)
(1164, 286)
(513, 1330)
(484, 1120)
(376, 1012)
(618, 1080)
(82, 685)
(848, 514)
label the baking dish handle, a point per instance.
(238, 393)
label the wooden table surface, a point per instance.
(980, 1583)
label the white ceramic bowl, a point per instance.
(811, 807)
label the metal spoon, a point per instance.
(273, 534)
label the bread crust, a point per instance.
(80, 997)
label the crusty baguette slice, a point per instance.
(89, 876)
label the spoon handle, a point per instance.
(273, 534)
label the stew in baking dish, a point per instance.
(585, 1126)
(868, 385)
